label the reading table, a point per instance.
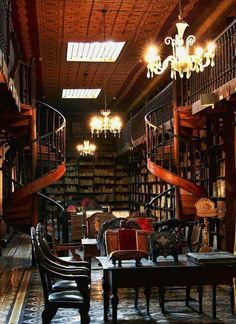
(165, 272)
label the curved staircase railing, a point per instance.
(177, 161)
(35, 164)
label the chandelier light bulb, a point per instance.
(151, 54)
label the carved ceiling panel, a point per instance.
(45, 26)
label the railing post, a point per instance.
(176, 146)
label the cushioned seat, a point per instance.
(64, 285)
(69, 295)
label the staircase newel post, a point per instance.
(176, 145)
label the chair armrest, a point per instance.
(69, 247)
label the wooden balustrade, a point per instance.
(224, 69)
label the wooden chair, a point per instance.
(64, 294)
(65, 262)
(170, 238)
(60, 249)
(94, 222)
(126, 244)
(112, 224)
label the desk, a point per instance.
(90, 248)
(163, 273)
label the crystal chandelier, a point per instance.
(86, 148)
(105, 123)
(181, 60)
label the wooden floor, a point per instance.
(21, 298)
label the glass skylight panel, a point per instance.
(94, 52)
(80, 93)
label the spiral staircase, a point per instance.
(177, 160)
(35, 159)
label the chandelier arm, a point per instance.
(190, 40)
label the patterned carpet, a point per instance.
(21, 305)
(177, 312)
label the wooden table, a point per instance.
(165, 272)
(90, 248)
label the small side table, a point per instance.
(90, 249)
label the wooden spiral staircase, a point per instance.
(177, 161)
(34, 160)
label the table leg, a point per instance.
(136, 290)
(214, 301)
(147, 293)
(231, 294)
(200, 293)
(114, 303)
(162, 299)
(105, 293)
(187, 298)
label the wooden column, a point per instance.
(230, 178)
(176, 145)
(33, 136)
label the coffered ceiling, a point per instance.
(44, 27)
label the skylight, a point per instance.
(94, 52)
(80, 93)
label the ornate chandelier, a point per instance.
(86, 148)
(105, 123)
(181, 60)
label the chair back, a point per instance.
(95, 221)
(110, 224)
(126, 239)
(171, 237)
(145, 223)
(46, 282)
(126, 244)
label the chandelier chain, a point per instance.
(180, 11)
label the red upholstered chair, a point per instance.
(145, 223)
(126, 244)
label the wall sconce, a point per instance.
(208, 99)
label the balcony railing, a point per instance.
(224, 70)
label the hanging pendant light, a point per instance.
(105, 122)
(181, 61)
(86, 148)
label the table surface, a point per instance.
(167, 272)
(161, 262)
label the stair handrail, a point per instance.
(54, 202)
(57, 112)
